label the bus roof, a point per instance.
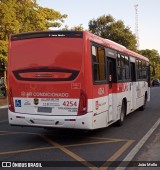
(114, 45)
(77, 34)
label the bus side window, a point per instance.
(98, 64)
(127, 68)
(95, 63)
(133, 72)
(95, 69)
(119, 73)
(123, 67)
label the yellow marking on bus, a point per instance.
(68, 152)
(118, 153)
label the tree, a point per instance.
(18, 16)
(154, 59)
(26, 15)
(8, 21)
(107, 27)
(3, 51)
(75, 28)
(78, 28)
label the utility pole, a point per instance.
(136, 25)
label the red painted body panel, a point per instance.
(48, 53)
(63, 66)
(51, 82)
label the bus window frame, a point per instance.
(122, 55)
(99, 82)
(112, 56)
(138, 69)
(119, 66)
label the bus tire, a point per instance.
(122, 114)
(142, 108)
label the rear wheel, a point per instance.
(122, 114)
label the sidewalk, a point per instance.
(150, 151)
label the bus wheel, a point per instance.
(122, 114)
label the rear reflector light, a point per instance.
(82, 109)
(10, 101)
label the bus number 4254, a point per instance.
(69, 103)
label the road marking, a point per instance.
(26, 150)
(139, 145)
(111, 139)
(52, 147)
(12, 132)
(3, 121)
(118, 153)
(90, 143)
(99, 138)
(68, 152)
(46, 148)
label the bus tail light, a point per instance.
(82, 109)
(10, 100)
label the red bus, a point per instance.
(73, 79)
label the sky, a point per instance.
(82, 11)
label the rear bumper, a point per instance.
(75, 122)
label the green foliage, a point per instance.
(107, 27)
(26, 15)
(8, 22)
(18, 16)
(3, 50)
(75, 28)
(99, 26)
(154, 59)
(78, 28)
(3, 47)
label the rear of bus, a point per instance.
(46, 80)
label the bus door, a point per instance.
(133, 86)
(111, 76)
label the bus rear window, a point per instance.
(46, 59)
(48, 34)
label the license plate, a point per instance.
(45, 109)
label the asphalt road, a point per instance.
(78, 149)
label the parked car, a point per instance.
(156, 82)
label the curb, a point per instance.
(4, 107)
(138, 146)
